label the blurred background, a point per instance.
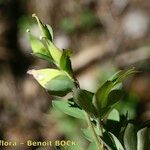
(105, 36)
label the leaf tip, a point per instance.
(27, 30)
(42, 37)
(34, 15)
(36, 74)
(31, 72)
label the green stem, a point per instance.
(97, 141)
(100, 128)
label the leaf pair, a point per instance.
(39, 49)
(108, 94)
(45, 49)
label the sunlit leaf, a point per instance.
(38, 48)
(55, 52)
(53, 80)
(114, 115)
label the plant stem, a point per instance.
(97, 141)
(100, 127)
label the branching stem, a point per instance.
(98, 142)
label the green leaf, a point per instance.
(92, 146)
(55, 52)
(44, 57)
(68, 108)
(50, 31)
(88, 134)
(143, 141)
(113, 122)
(104, 111)
(116, 75)
(114, 115)
(117, 142)
(108, 142)
(84, 99)
(60, 85)
(114, 96)
(65, 63)
(107, 94)
(45, 75)
(53, 80)
(45, 29)
(130, 137)
(125, 75)
(38, 48)
(102, 94)
(121, 75)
